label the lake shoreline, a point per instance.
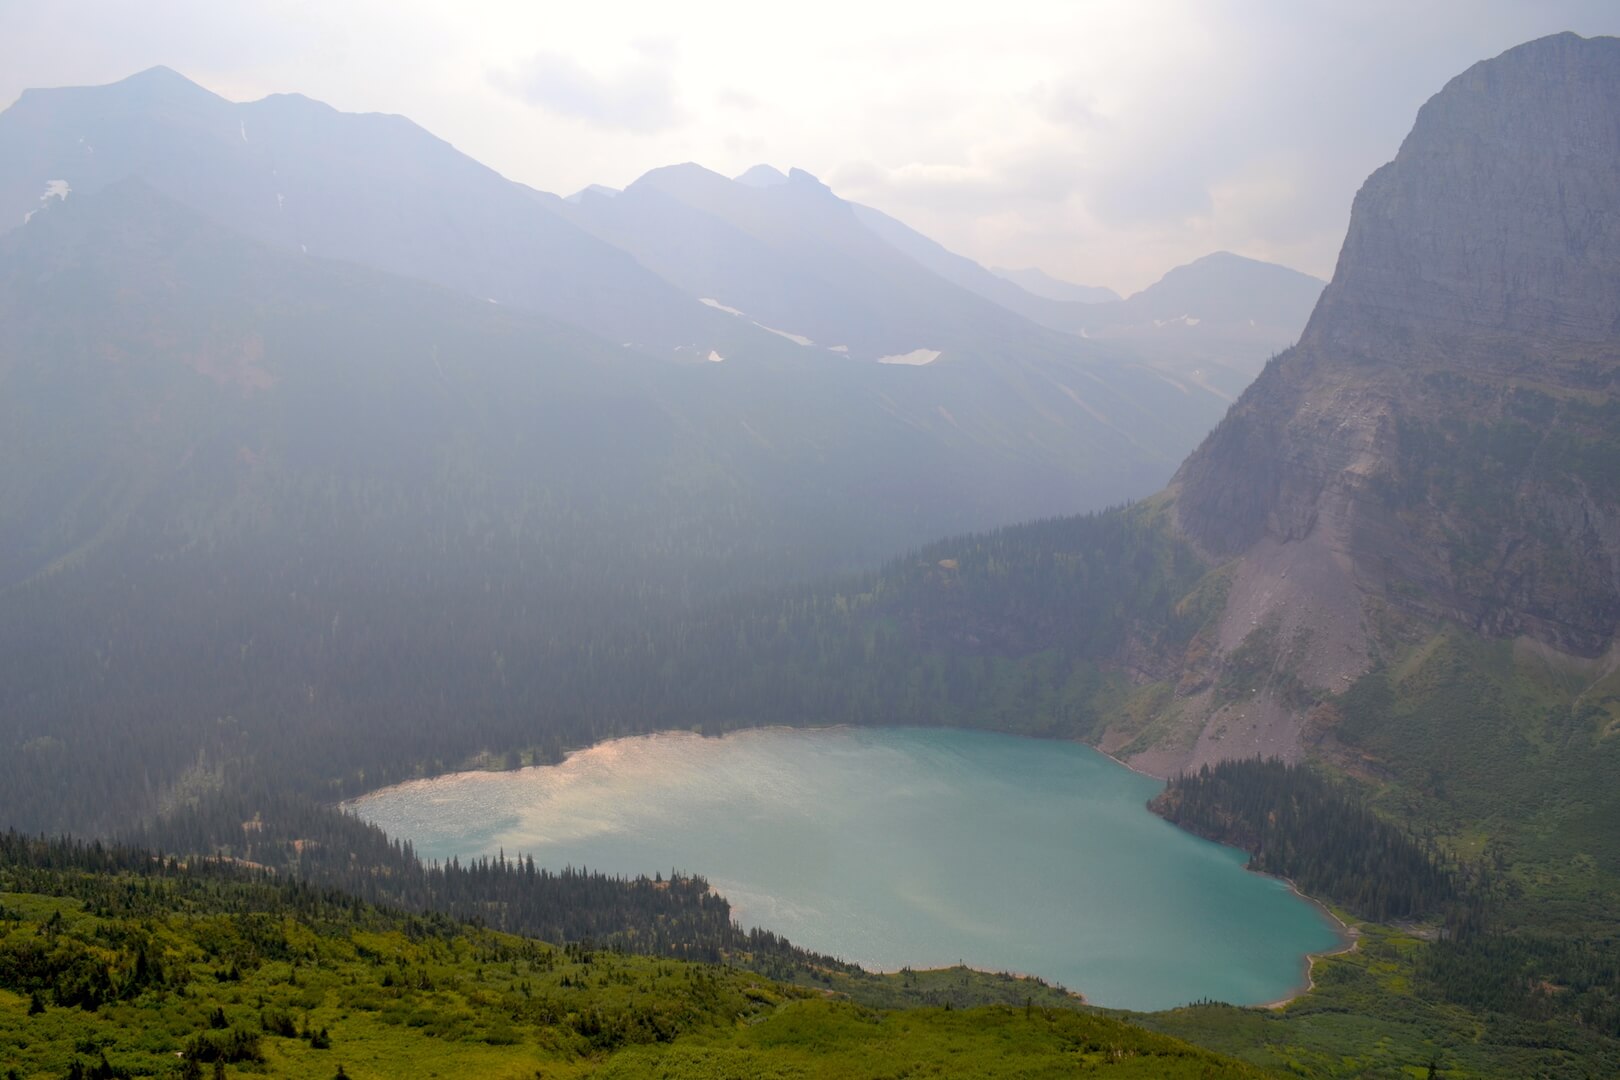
(1304, 981)
(881, 971)
(474, 767)
(1118, 761)
(1351, 942)
(1350, 936)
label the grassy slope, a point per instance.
(1511, 760)
(952, 987)
(1369, 1016)
(1506, 756)
(397, 1002)
(836, 1039)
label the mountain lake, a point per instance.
(895, 847)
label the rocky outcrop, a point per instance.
(1497, 224)
(1445, 438)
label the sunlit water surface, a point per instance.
(902, 846)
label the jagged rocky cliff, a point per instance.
(1444, 441)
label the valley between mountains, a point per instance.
(335, 460)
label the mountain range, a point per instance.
(1436, 451)
(1442, 443)
(280, 526)
(981, 415)
(782, 251)
(379, 191)
(1415, 503)
(1396, 556)
(268, 363)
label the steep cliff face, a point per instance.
(1498, 221)
(1445, 438)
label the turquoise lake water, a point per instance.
(902, 846)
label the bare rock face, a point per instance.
(1498, 223)
(1445, 438)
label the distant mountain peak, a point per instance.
(1222, 256)
(151, 85)
(800, 176)
(762, 176)
(369, 188)
(296, 101)
(1037, 281)
(682, 168)
(679, 175)
(158, 73)
(689, 176)
(1229, 260)
(164, 81)
(1222, 283)
(592, 191)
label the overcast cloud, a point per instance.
(1101, 141)
(639, 97)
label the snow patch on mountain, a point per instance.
(718, 306)
(54, 189)
(797, 339)
(914, 358)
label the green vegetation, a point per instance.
(1300, 825)
(1530, 976)
(1507, 756)
(162, 968)
(1372, 1016)
(287, 519)
(284, 531)
(1510, 759)
(1469, 993)
(1007, 630)
(1503, 761)
(675, 916)
(832, 1039)
(1500, 759)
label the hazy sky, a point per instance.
(1101, 141)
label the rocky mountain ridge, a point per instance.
(1444, 441)
(372, 189)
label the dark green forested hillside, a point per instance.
(117, 963)
(1300, 825)
(255, 501)
(673, 916)
(1509, 960)
(1019, 629)
(276, 531)
(234, 675)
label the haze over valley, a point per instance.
(706, 625)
